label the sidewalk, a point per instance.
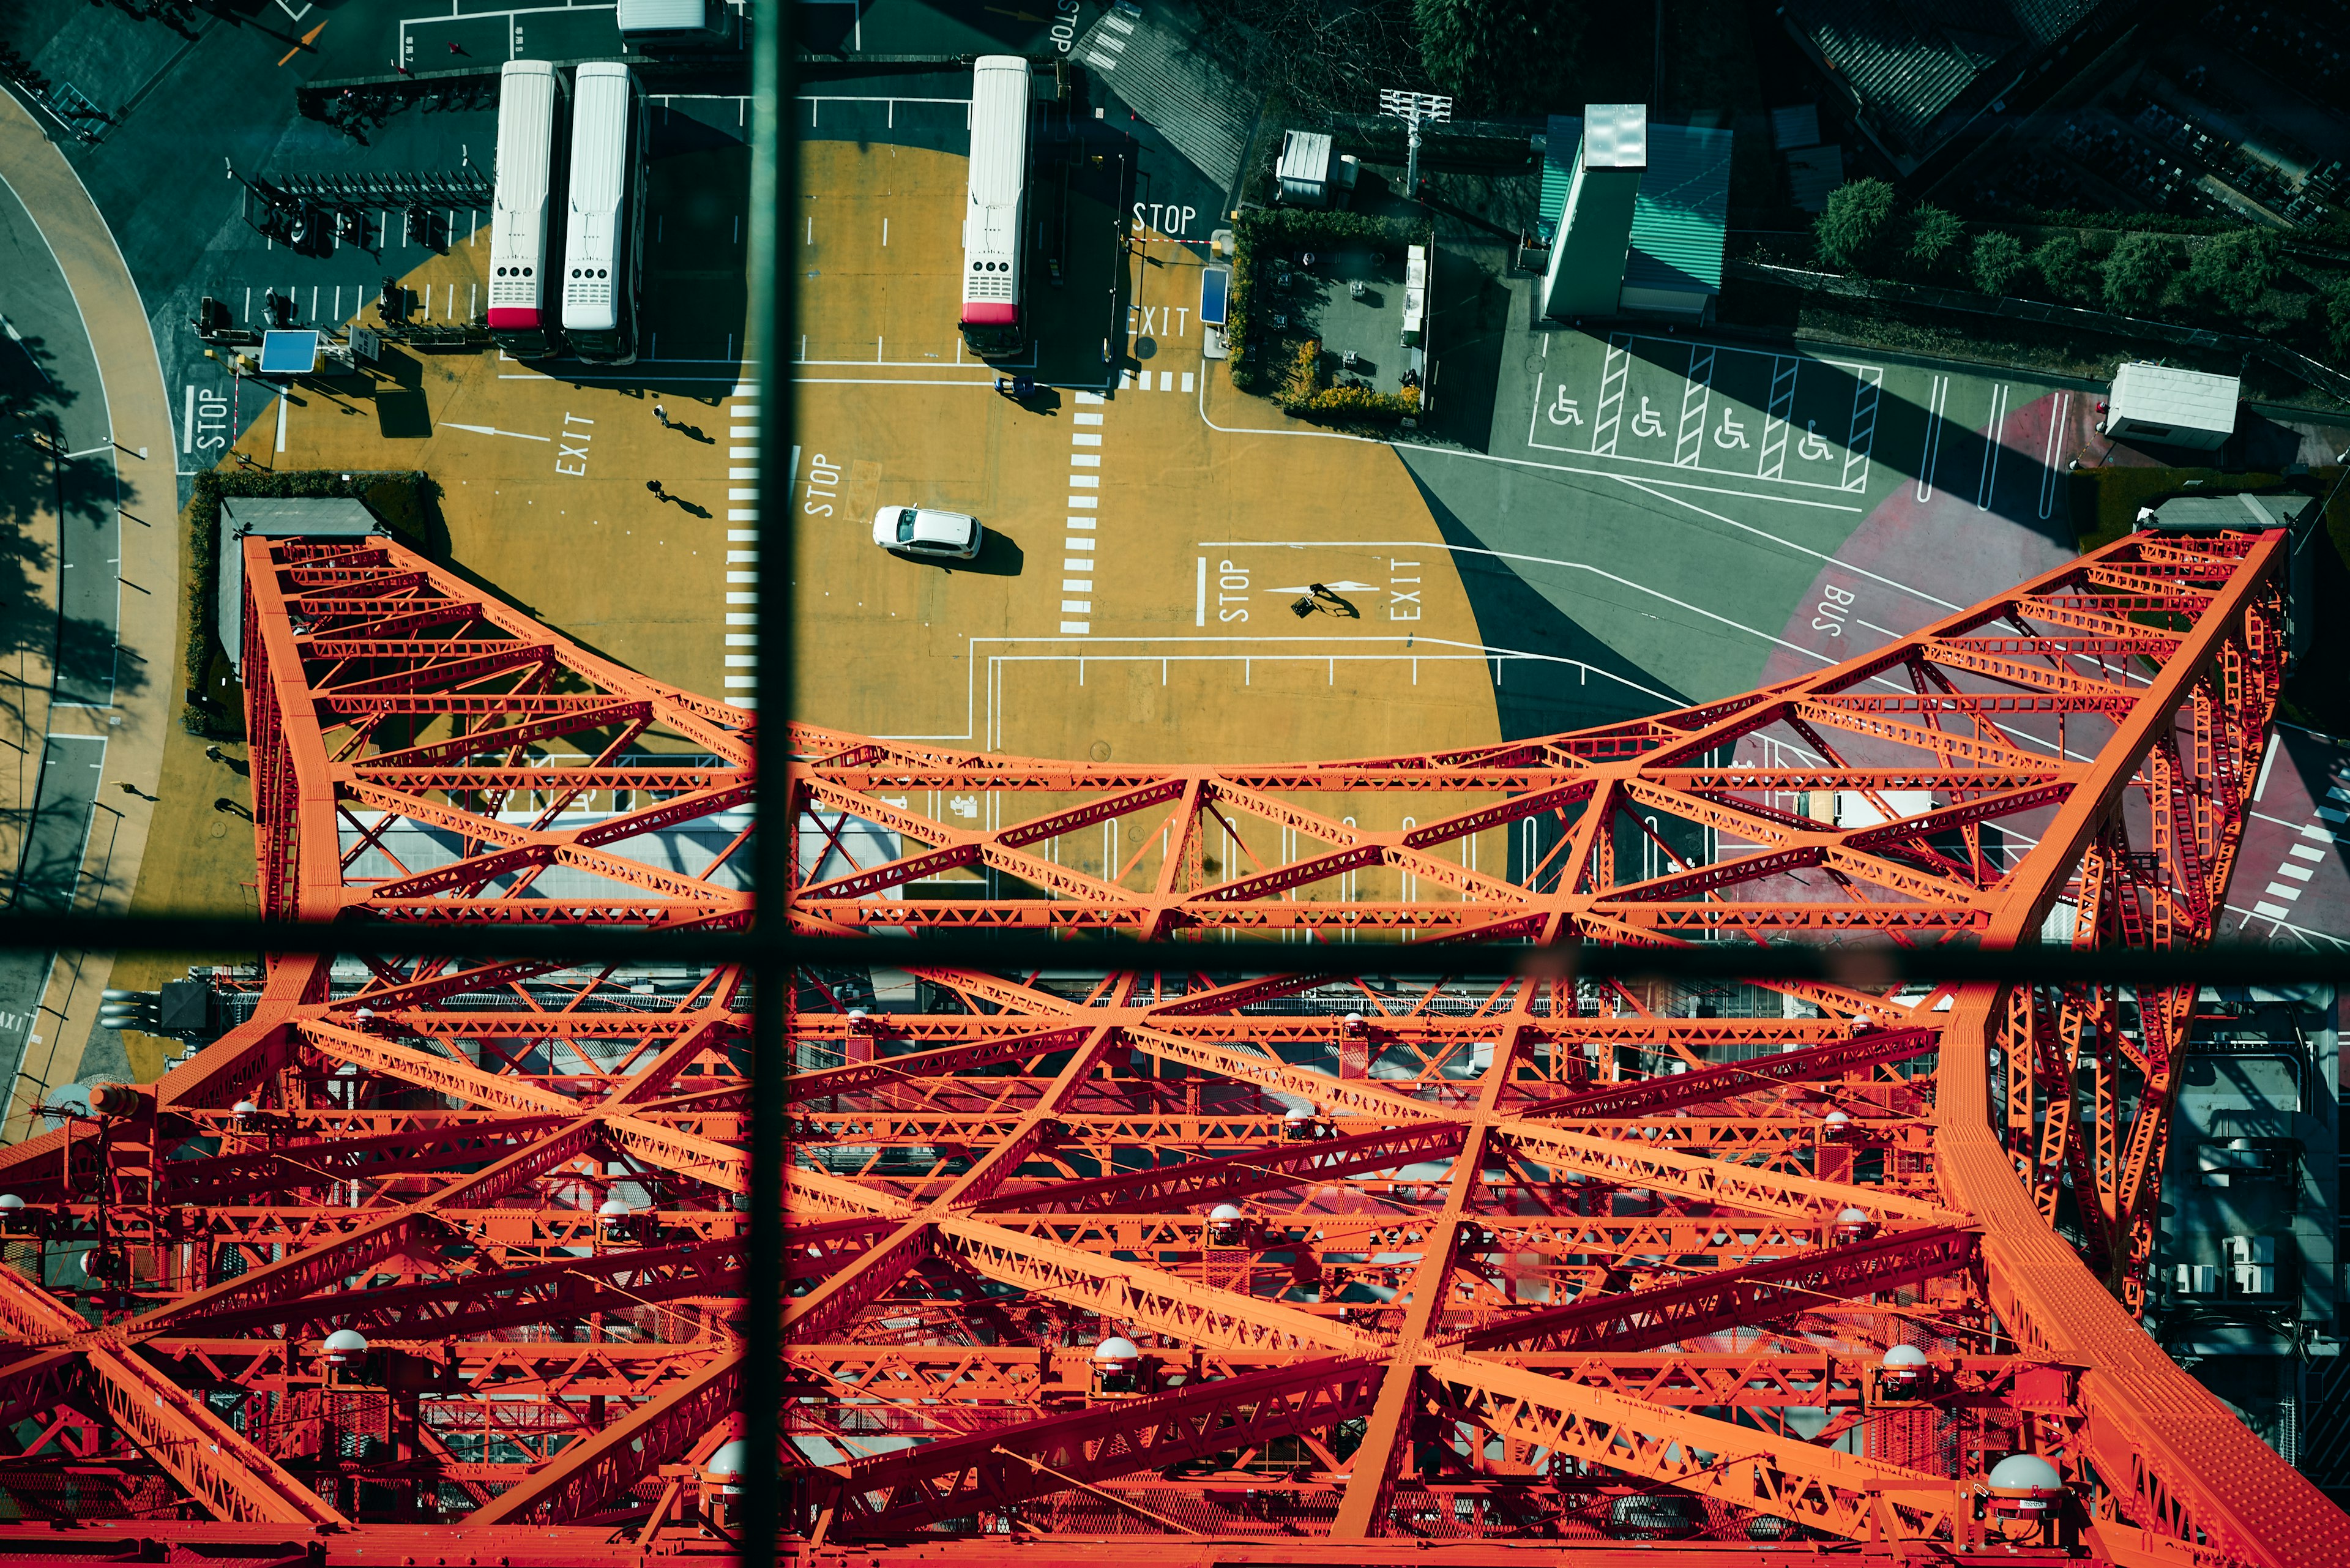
(147, 666)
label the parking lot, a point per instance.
(1683, 403)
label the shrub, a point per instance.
(2229, 274)
(1305, 376)
(2064, 269)
(1934, 234)
(2139, 273)
(2334, 316)
(1360, 402)
(1998, 256)
(1852, 229)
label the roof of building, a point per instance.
(1797, 125)
(1304, 155)
(1911, 62)
(1812, 174)
(1620, 136)
(1681, 217)
(275, 517)
(2214, 513)
(2166, 395)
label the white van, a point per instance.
(663, 26)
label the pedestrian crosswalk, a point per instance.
(2301, 862)
(1159, 381)
(1080, 546)
(742, 645)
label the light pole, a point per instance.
(1414, 108)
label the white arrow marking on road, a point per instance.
(488, 429)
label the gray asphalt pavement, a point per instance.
(51, 383)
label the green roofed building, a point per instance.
(1678, 221)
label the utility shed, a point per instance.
(2178, 408)
(1303, 172)
(1681, 216)
(273, 517)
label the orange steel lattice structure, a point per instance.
(517, 1183)
(1203, 1264)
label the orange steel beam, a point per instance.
(1507, 1193)
(520, 1181)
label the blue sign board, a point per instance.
(289, 353)
(1215, 293)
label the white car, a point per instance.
(920, 531)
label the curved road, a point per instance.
(114, 579)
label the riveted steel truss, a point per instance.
(1484, 1267)
(517, 1182)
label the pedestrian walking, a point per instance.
(662, 414)
(655, 486)
(456, 50)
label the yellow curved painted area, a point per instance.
(1199, 539)
(1186, 564)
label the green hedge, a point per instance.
(1357, 402)
(403, 502)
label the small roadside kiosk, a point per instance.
(2176, 408)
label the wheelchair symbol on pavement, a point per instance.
(1646, 423)
(1565, 412)
(1731, 433)
(1812, 448)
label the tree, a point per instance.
(2229, 273)
(1852, 228)
(1997, 257)
(1934, 234)
(2063, 270)
(1323, 56)
(1498, 55)
(2337, 317)
(2140, 272)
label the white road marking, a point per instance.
(1938, 398)
(483, 430)
(1999, 395)
(1531, 560)
(2057, 418)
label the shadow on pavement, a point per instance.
(1575, 681)
(1000, 555)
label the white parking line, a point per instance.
(1992, 443)
(2057, 418)
(1938, 398)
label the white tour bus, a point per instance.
(522, 237)
(996, 210)
(603, 250)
